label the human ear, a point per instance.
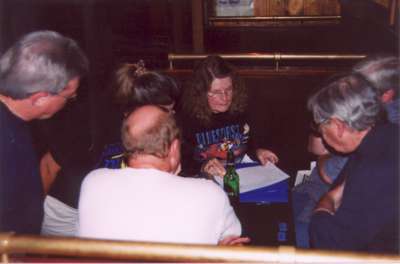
(175, 156)
(387, 96)
(72, 84)
(39, 98)
(4, 98)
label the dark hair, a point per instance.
(133, 86)
(40, 61)
(195, 96)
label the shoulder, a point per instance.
(8, 120)
(183, 115)
(204, 186)
(189, 123)
(387, 134)
(386, 128)
(99, 176)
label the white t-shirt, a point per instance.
(151, 205)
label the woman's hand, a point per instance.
(214, 167)
(265, 156)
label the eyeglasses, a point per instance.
(227, 92)
(316, 127)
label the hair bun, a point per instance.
(140, 68)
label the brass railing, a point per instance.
(135, 251)
(272, 18)
(265, 21)
(276, 57)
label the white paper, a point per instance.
(256, 177)
(304, 175)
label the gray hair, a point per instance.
(40, 61)
(351, 99)
(382, 71)
(154, 140)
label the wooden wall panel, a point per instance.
(297, 7)
(385, 3)
(330, 8)
(312, 7)
(261, 7)
(277, 7)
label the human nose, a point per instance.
(225, 95)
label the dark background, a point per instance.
(118, 31)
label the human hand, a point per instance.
(214, 167)
(265, 156)
(331, 201)
(233, 241)
(49, 169)
(326, 204)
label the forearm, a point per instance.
(326, 204)
(331, 201)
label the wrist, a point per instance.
(322, 209)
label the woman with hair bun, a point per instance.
(132, 86)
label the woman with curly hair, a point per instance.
(213, 120)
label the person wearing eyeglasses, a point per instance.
(38, 75)
(382, 71)
(213, 118)
(360, 212)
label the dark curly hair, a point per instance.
(195, 101)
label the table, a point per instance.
(266, 215)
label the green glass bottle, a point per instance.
(231, 179)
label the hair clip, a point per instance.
(140, 68)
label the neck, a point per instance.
(357, 138)
(149, 162)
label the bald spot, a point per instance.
(144, 119)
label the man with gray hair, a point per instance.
(383, 72)
(147, 201)
(38, 75)
(361, 211)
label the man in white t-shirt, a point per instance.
(147, 201)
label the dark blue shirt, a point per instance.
(21, 194)
(368, 218)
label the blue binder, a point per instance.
(275, 193)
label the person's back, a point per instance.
(151, 205)
(21, 194)
(147, 201)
